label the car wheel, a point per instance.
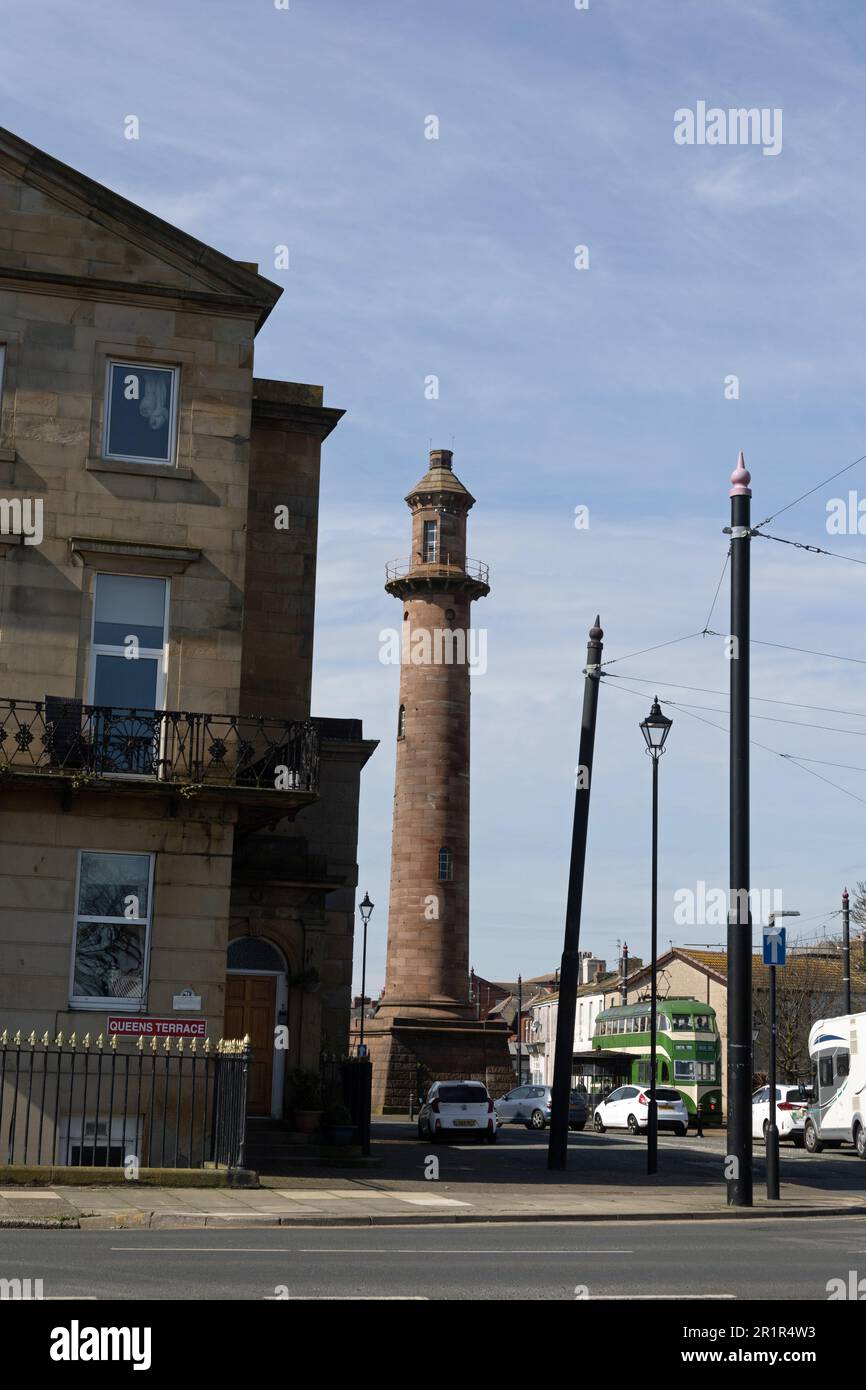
(811, 1141)
(633, 1126)
(681, 1130)
(860, 1141)
(597, 1124)
(537, 1120)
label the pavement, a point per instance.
(455, 1183)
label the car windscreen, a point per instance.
(662, 1094)
(462, 1095)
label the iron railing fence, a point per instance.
(57, 735)
(399, 569)
(164, 1103)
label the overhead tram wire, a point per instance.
(659, 681)
(814, 549)
(765, 718)
(812, 490)
(786, 757)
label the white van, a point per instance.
(837, 1113)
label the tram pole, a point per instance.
(569, 973)
(738, 1163)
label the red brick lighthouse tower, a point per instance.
(425, 1027)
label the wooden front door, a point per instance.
(251, 1002)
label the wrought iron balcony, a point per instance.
(58, 736)
(474, 569)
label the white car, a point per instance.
(628, 1108)
(458, 1110)
(792, 1109)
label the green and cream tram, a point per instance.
(688, 1054)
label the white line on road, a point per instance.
(347, 1250)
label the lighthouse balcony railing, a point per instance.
(442, 563)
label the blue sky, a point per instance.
(559, 387)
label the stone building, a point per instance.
(177, 834)
(425, 1026)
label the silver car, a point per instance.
(531, 1106)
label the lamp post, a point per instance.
(655, 729)
(366, 909)
(519, 1032)
(773, 1126)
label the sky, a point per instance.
(604, 385)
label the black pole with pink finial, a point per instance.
(738, 1166)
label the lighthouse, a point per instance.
(425, 1028)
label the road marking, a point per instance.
(649, 1297)
(350, 1250)
(348, 1298)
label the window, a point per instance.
(705, 1071)
(684, 1071)
(140, 413)
(94, 1148)
(825, 1071)
(682, 1023)
(430, 546)
(401, 722)
(664, 1023)
(446, 866)
(703, 1023)
(127, 674)
(843, 1063)
(112, 924)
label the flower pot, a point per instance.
(307, 1121)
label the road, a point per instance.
(614, 1158)
(745, 1259)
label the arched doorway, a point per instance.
(257, 996)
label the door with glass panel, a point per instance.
(127, 672)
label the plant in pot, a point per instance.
(337, 1124)
(306, 1101)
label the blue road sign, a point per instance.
(774, 945)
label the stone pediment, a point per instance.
(58, 227)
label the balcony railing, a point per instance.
(61, 736)
(475, 569)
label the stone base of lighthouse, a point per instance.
(409, 1054)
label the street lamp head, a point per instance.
(366, 908)
(655, 729)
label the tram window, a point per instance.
(843, 1061)
(664, 1023)
(684, 1071)
(702, 1023)
(682, 1023)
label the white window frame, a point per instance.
(129, 1131)
(149, 653)
(428, 558)
(174, 410)
(111, 1003)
